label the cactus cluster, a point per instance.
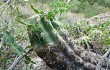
(44, 31)
(47, 33)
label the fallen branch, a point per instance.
(18, 59)
(103, 59)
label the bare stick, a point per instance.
(17, 60)
(104, 58)
(5, 4)
(68, 1)
(2, 40)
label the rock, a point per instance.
(40, 64)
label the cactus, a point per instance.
(38, 35)
(63, 54)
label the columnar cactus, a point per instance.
(47, 37)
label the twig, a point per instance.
(2, 40)
(17, 60)
(68, 1)
(5, 3)
(5, 54)
(104, 58)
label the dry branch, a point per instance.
(16, 61)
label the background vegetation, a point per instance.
(14, 14)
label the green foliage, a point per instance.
(90, 7)
(45, 28)
(12, 43)
(59, 6)
(101, 2)
(0, 3)
(98, 35)
(35, 10)
(27, 59)
(91, 10)
(4, 60)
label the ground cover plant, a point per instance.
(62, 46)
